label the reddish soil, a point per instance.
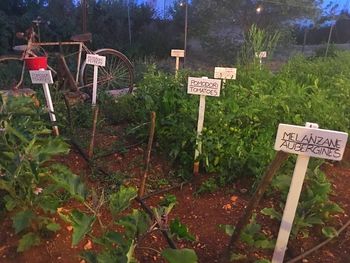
(202, 214)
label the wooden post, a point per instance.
(50, 108)
(200, 123)
(177, 65)
(291, 204)
(148, 153)
(94, 86)
(94, 124)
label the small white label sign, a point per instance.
(225, 73)
(180, 53)
(325, 144)
(95, 60)
(262, 54)
(202, 86)
(41, 76)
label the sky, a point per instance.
(342, 3)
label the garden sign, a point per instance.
(261, 55)
(177, 53)
(96, 61)
(308, 141)
(225, 73)
(44, 77)
(203, 87)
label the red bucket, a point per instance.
(36, 63)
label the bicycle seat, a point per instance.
(20, 48)
(82, 37)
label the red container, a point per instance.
(36, 63)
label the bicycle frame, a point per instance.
(67, 43)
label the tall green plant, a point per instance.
(32, 183)
(257, 40)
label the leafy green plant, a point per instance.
(119, 246)
(180, 230)
(251, 235)
(314, 208)
(184, 255)
(32, 183)
(208, 186)
(256, 41)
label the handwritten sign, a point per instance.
(201, 86)
(262, 54)
(180, 53)
(325, 144)
(95, 60)
(41, 76)
(225, 73)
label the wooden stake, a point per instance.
(291, 204)
(94, 86)
(49, 105)
(274, 166)
(200, 123)
(177, 66)
(94, 124)
(148, 153)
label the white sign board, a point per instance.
(202, 86)
(225, 73)
(311, 142)
(180, 53)
(41, 76)
(95, 60)
(262, 54)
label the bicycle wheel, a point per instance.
(117, 74)
(13, 73)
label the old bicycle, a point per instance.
(117, 74)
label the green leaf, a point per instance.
(53, 227)
(262, 261)
(5, 185)
(51, 148)
(110, 257)
(81, 224)
(10, 203)
(329, 232)
(167, 200)
(68, 181)
(28, 240)
(135, 224)
(184, 255)
(49, 203)
(180, 230)
(272, 213)
(236, 257)
(114, 237)
(121, 200)
(89, 256)
(22, 220)
(229, 229)
(332, 208)
(264, 243)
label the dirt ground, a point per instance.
(201, 213)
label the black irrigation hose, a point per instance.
(86, 158)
